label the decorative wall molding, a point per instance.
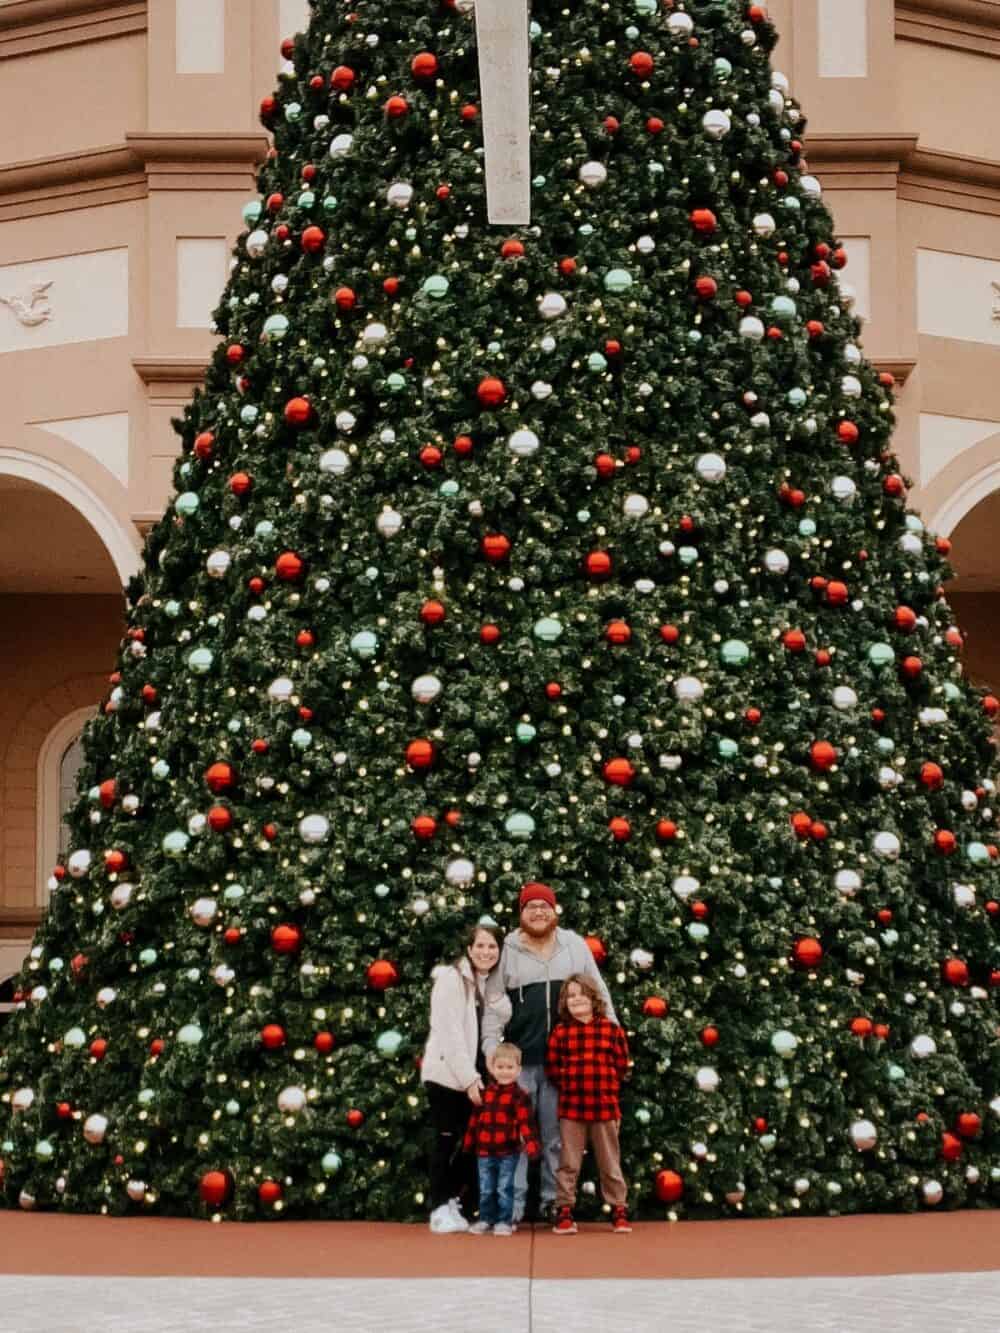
(27, 26)
(29, 307)
(170, 369)
(962, 25)
(119, 172)
(898, 162)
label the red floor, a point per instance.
(39, 1243)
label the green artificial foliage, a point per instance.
(602, 511)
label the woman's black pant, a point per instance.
(453, 1172)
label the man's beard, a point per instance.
(539, 931)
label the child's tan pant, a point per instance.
(603, 1135)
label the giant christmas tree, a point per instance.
(575, 552)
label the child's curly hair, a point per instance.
(589, 987)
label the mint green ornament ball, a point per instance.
(796, 397)
(647, 8)
(293, 112)
(330, 203)
(435, 286)
(896, 1073)
(618, 280)
(388, 1043)
(190, 1034)
(728, 749)
(525, 733)
(148, 957)
(331, 1163)
(784, 307)
(519, 825)
(146, 1096)
(172, 609)
(687, 555)
(722, 68)
(880, 655)
(448, 488)
(200, 661)
(75, 1038)
(597, 362)
(44, 1150)
(233, 893)
(951, 691)
(187, 503)
(807, 528)
(396, 383)
(364, 644)
(306, 199)
(548, 629)
(642, 1115)
(161, 769)
(301, 738)
(276, 326)
(977, 853)
(252, 211)
(175, 843)
(734, 653)
(698, 931)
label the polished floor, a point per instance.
(99, 1275)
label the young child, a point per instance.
(587, 1058)
(497, 1131)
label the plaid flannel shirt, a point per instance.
(587, 1062)
(503, 1125)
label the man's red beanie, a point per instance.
(535, 892)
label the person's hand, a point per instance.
(474, 1092)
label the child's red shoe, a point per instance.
(565, 1226)
(620, 1224)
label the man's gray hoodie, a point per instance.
(533, 985)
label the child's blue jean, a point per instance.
(496, 1189)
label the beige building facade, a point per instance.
(131, 138)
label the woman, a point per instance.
(451, 1069)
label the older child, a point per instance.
(498, 1131)
(587, 1058)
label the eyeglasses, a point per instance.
(542, 909)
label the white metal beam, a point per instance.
(505, 85)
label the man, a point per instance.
(536, 960)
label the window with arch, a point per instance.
(59, 762)
(6, 1000)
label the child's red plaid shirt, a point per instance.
(503, 1125)
(587, 1062)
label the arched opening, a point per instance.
(6, 1000)
(64, 557)
(974, 594)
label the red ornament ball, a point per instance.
(286, 939)
(424, 65)
(240, 483)
(861, 1027)
(991, 705)
(945, 841)
(272, 1037)
(621, 829)
(932, 776)
(115, 861)
(904, 618)
(709, 1036)
(669, 1186)
(220, 818)
(420, 754)
(289, 567)
(491, 392)
(704, 221)
(108, 793)
(342, 78)
(489, 634)
(618, 632)
(220, 776)
(424, 827)
(968, 1124)
(598, 564)
(355, 1118)
(808, 951)
(642, 64)
(324, 1042)
(396, 107)
(822, 756)
(382, 974)
(955, 971)
(669, 633)
(619, 772)
(666, 830)
(269, 1191)
(215, 1187)
(495, 547)
(313, 240)
(298, 411)
(98, 1048)
(203, 443)
(951, 1147)
(847, 432)
(597, 950)
(432, 613)
(655, 1006)
(794, 640)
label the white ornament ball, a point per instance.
(593, 174)
(847, 882)
(399, 194)
(645, 245)
(844, 697)
(710, 467)
(121, 896)
(94, 1128)
(688, 689)
(642, 959)
(922, 1047)
(886, 845)
(685, 887)
(256, 243)
(389, 522)
(964, 895)
(764, 225)
(280, 690)
(425, 689)
(751, 328)
(334, 462)
(460, 872)
(374, 334)
(136, 1190)
(105, 996)
(291, 1100)
(810, 187)
(776, 562)
(850, 386)
(551, 305)
(203, 911)
(341, 145)
(314, 829)
(933, 1192)
(716, 124)
(523, 443)
(78, 864)
(680, 24)
(863, 1135)
(635, 506)
(217, 564)
(706, 1079)
(22, 1099)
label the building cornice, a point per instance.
(27, 26)
(118, 172)
(963, 25)
(169, 369)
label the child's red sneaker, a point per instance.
(620, 1224)
(565, 1226)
